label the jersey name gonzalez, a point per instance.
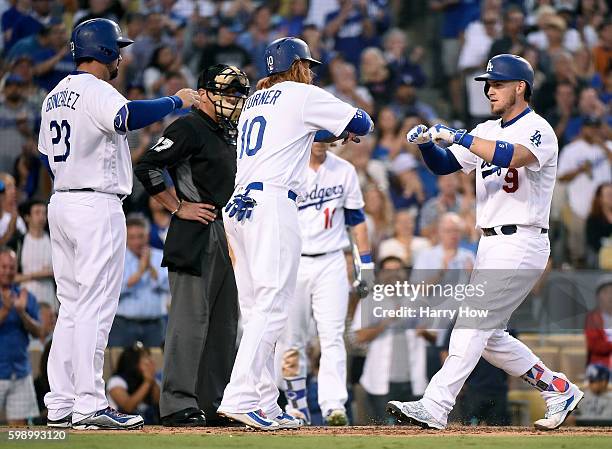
(66, 98)
(79, 136)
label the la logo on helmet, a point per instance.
(490, 66)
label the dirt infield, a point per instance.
(391, 431)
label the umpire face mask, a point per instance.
(227, 87)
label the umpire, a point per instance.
(199, 152)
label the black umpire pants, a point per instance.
(200, 343)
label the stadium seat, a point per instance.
(536, 404)
(115, 353)
(158, 357)
(107, 370)
(550, 355)
(35, 356)
(566, 340)
(573, 363)
(532, 340)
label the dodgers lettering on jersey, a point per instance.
(276, 130)
(329, 190)
(78, 135)
(522, 195)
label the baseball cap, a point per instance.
(602, 282)
(406, 80)
(596, 372)
(231, 25)
(403, 162)
(591, 120)
(14, 79)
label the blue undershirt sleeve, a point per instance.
(440, 161)
(138, 114)
(353, 217)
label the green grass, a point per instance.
(262, 441)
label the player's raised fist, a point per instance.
(189, 97)
(418, 135)
(445, 136)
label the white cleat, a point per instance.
(413, 413)
(256, 419)
(286, 421)
(336, 417)
(109, 419)
(559, 408)
(298, 414)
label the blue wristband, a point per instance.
(467, 140)
(178, 103)
(365, 257)
(503, 153)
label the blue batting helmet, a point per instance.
(281, 53)
(99, 39)
(508, 68)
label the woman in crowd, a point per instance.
(377, 76)
(599, 223)
(133, 388)
(389, 141)
(404, 244)
(163, 61)
(379, 215)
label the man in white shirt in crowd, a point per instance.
(445, 263)
(10, 221)
(584, 164)
(35, 256)
(144, 291)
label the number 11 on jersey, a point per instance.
(329, 216)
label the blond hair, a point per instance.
(299, 72)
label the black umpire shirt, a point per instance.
(202, 165)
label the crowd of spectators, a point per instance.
(403, 62)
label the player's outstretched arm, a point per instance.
(441, 161)
(499, 153)
(360, 125)
(138, 114)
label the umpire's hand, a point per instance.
(202, 212)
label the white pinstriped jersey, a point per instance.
(330, 190)
(506, 196)
(77, 133)
(276, 130)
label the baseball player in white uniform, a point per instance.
(332, 201)
(515, 158)
(275, 133)
(83, 143)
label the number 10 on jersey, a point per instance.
(246, 144)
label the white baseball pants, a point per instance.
(267, 252)
(322, 293)
(527, 249)
(88, 237)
